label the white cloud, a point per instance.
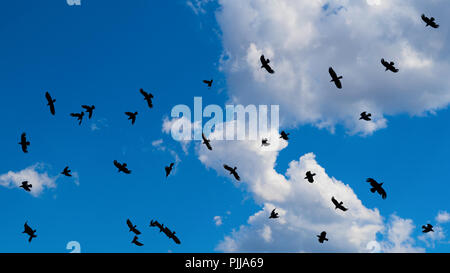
(218, 220)
(399, 237)
(443, 217)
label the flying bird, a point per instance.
(50, 102)
(133, 228)
(430, 21)
(148, 97)
(365, 116)
(30, 232)
(171, 235)
(209, 83)
(284, 135)
(89, 109)
(206, 142)
(24, 143)
(79, 116)
(335, 78)
(26, 186)
(131, 116)
(427, 228)
(310, 176)
(389, 66)
(273, 214)
(136, 242)
(265, 142)
(157, 224)
(66, 171)
(122, 167)
(232, 171)
(377, 187)
(322, 237)
(265, 64)
(169, 169)
(338, 205)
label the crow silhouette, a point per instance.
(366, 116)
(131, 116)
(89, 109)
(133, 228)
(273, 214)
(171, 235)
(50, 102)
(265, 142)
(265, 64)
(148, 97)
(156, 224)
(122, 167)
(209, 83)
(427, 228)
(206, 142)
(24, 143)
(338, 205)
(79, 116)
(169, 169)
(335, 78)
(136, 242)
(232, 171)
(430, 21)
(389, 66)
(322, 237)
(29, 231)
(26, 186)
(66, 171)
(377, 187)
(310, 176)
(284, 135)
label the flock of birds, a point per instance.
(122, 167)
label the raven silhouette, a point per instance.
(206, 142)
(365, 116)
(232, 171)
(136, 242)
(273, 214)
(148, 97)
(265, 64)
(89, 109)
(310, 176)
(430, 21)
(338, 205)
(133, 228)
(322, 237)
(335, 78)
(427, 228)
(79, 116)
(166, 230)
(156, 224)
(24, 143)
(169, 169)
(66, 171)
(122, 167)
(131, 116)
(50, 103)
(284, 135)
(209, 83)
(26, 186)
(377, 187)
(29, 231)
(389, 66)
(265, 142)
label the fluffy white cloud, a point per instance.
(218, 220)
(443, 217)
(399, 237)
(303, 38)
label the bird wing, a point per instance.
(129, 114)
(383, 62)
(332, 73)
(335, 202)
(236, 176)
(208, 146)
(23, 138)
(117, 164)
(130, 225)
(371, 181)
(424, 18)
(28, 229)
(48, 97)
(269, 69)
(263, 60)
(227, 167)
(145, 94)
(86, 107)
(176, 240)
(382, 192)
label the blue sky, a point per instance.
(101, 53)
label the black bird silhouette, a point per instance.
(169, 169)
(427, 228)
(79, 116)
(24, 143)
(265, 64)
(273, 214)
(133, 228)
(209, 83)
(265, 142)
(338, 205)
(66, 171)
(148, 97)
(335, 78)
(430, 21)
(89, 109)
(50, 102)
(377, 187)
(284, 135)
(29, 231)
(136, 242)
(322, 237)
(310, 176)
(389, 66)
(206, 142)
(365, 116)
(232, 171)
(131, 116)
(26, 186)
(171, 235)
(122, 167)
(156, 224)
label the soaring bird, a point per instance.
(169, 169)
(427, 228)
(133, 228)
(335, 78)
(273, 214)
(265, 64)
(430, 21)
(24, 143)
(209, 83)
(79, 116)
(365, 116)
(131, 116)
(66, 171)
(157, 224)
(377, 187)
(50, 102)
(29, 231)
(232, 171)
(26, 186)
(310, 176)
(265, 142)
(206, 142)
(148, 97)
(322, 237)
(171, 235)
(122, 167)
(89, 109)
(284, 135)
(136, 242)
(389, 66)
(338, 205)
